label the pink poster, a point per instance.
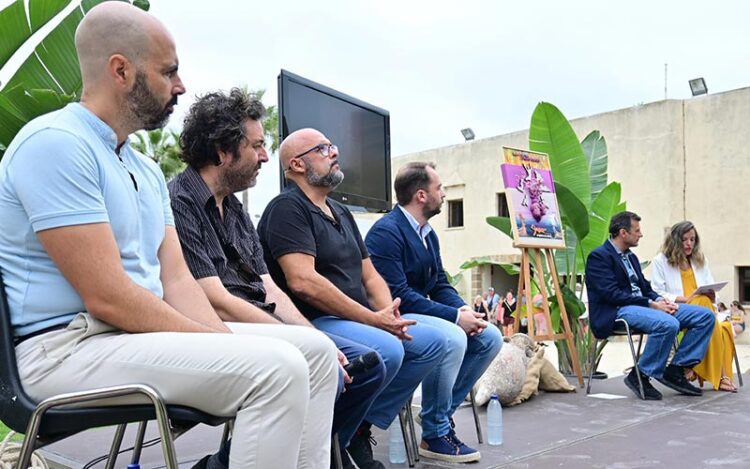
(530, 192)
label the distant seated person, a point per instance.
(678, 270)
(480, 307)
(406, 252)
(737, 316)
(617, 290)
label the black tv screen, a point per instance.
(360, 130)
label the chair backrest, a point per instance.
(15, 405)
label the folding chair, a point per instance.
(622, 328)
(45, 423)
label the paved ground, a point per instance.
(553, 430)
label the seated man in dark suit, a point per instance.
(617, 289)
(406, 253)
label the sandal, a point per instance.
(725, 384)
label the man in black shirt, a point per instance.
(315, 252)
(223, 142)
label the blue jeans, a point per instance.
(407, 363)
(466, 358)
(662, 329)
(353, 403)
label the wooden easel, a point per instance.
(524, 285)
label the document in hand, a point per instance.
(705, 289)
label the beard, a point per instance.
(238, 179)
(331, 180)
(144, 109)
(432, 209)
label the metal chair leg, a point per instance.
(477, 423)
(410, 450)
(636, 357)
(336, 450)
(737, 367)
(114, 449)
(592, 359)
(412, 430)
(162, 418)
(138, 446)
(228, 429)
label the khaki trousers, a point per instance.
(278, 381)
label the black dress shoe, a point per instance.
(360, 449)
(650, 393)
(674, 378)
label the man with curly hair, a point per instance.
(98, 289)
(223, 143)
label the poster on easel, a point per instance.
(532, 202)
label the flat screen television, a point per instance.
(360, 130)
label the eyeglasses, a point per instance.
(323, 148)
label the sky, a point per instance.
(438, 67)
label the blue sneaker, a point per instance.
(448, 448)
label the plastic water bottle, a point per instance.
(495, 421)
(396, 449)
(134, 466)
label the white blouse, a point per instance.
(667, 281)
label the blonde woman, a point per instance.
(678, 270)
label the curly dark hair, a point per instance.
(216, 121)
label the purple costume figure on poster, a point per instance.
(532, 186)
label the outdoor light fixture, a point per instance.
(698, 86)
(468, 134)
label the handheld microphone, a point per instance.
(362, 363)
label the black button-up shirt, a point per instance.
(201, 230)
(291, 223)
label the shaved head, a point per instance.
(297, 142)
(115, 28)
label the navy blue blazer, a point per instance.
(413, 273)
(608, 288)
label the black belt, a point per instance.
(17, 340)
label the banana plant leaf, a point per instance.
(18, 106)
(551, 133)
(510, 269)
(595, 149)
(16, 27)
(573, 305)
(602, 209)
(501, 223)
(574, 212)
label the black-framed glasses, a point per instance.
(323, 148)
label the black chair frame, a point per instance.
(46, 422)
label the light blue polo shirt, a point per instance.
(62, 170)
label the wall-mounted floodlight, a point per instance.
(468, 134)
(698, 86)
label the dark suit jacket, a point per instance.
(608, 287)
(413, 273)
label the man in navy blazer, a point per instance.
(617, 289)
(405, 251)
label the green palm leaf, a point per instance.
(595, 149)
(551, 133)
(16, 27)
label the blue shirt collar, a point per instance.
(422, 231)
(102, 129)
